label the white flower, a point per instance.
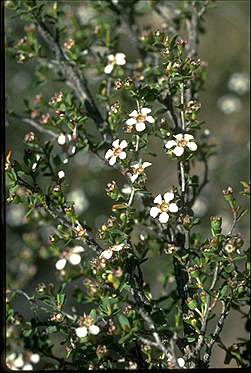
(72, 256)
(229, 104)
(68, 147)
(116, 151)
(180, 143)
(239, 83)
(61, 174)
(163, 206)
(118, 59)
(27, 367)
(181, 362)
(86, 325)
(107, 254)
(81, 202)
(139, 118)
(138, 169)
(35, 358)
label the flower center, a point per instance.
(117, 151)
(88, 321)
(139, 170)
(164, 206)
(182, 143)
(140, 118)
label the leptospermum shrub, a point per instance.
(120, 324)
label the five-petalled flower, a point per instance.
(107, 254)
(138, 118)
(163, 205)
(116, 151)
(86, 324)
(180, 142)
(117, 59)
(72, 256)
(138, 169)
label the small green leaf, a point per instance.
(124, 322)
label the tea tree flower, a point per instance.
(116, 151)
(138, 118)
(163, 205)
(107, 254)
(86, 325)
(181, 141)
(138, 169)
(118, 59)
(72, 256)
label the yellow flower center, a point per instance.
(164, 206)
(88, 321)
(139, 170)
(117, 151)
(140, 118)
(182, 143)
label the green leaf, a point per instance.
(124, 322)
(52, 329)
(223, 291)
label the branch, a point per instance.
(218, 328)
(75, 78)
(36, 125)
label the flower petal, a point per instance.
(123, 144)
(178, 151)
(71, 149)
(108, 154)
(81, 331)
(74, 259)
(192, 146)
(112, 160)
(170, 144)
(140, 126)
(78, 249)
(168, 196)
(115, 143)
(120, 55)
(173, 207)
(150, 119)
(154, 212)
(134, 177)
(107, 254)
(135, 165)
(111, 57)
(146, 164)
(122, 155)
(94, 329)
(60, 264)
(118, 247)
(61, 139)
(188, 137)
(145, 110)
(179, 136)
(108, 69)
(158, 199)
(163, 218)
(134, 113)
(131, 121)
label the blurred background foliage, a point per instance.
(225, 109)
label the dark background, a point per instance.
(225, 47)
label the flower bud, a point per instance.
(216, 223)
